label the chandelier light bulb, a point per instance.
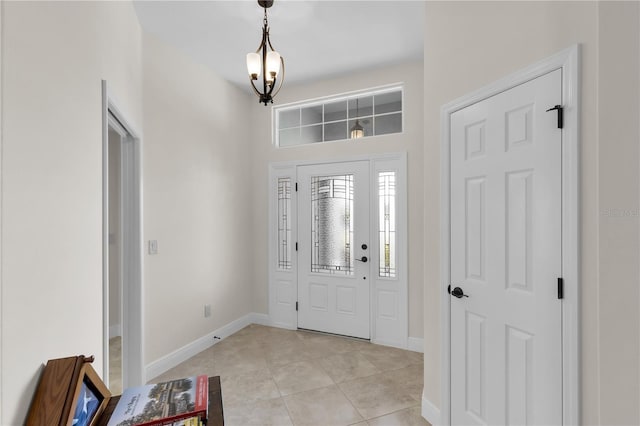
(273, 64)
(253, 65)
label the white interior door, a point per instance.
(333, 249)
(506, 341)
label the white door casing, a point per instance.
(506, 350)
(334, 248)
(503, 400)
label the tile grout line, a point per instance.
(351, 402)
(393, 412)
(286, 406)
(317, 362)
(271, 377)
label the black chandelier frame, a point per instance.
(269, 88)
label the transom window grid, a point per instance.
(378, 112)
(332, 224)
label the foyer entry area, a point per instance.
(285, 377)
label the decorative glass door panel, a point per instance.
(387, 224)
(332, 224)
(284, 223)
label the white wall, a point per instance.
(618, 192)
(197, 200)
(54, 56)
(197, 189)
(471, 44)
(264, 152)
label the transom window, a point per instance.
(337, 118)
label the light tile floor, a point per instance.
(271, 376)
(115, 365)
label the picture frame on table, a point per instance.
(70, 393)
(90, 398)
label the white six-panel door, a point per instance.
(333, 241)
(506, 342)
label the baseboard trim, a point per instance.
(430, 412)
(415, 344)
(261, 319)
(167, 362)
(115, 331)
(283, 326)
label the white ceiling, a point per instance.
(317, 38)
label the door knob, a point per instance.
(457, 292)
(364, 259)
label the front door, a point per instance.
(333, 248)
(506, 342)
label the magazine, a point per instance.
(163, 403)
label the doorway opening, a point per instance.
(122, 250)
(116, 136)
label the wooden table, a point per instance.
(216, 415)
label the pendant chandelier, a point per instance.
(267, 62)
(357, 131)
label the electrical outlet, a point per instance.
(207, 311)
(153, 246)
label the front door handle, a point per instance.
(457, 292)
(364, 259)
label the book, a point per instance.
(191, 421)
(163, 404)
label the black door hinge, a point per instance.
(296, 246)
(560, 115)
(560, 288)
(296, 306)
(296, 186)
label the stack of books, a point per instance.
(182, 402)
